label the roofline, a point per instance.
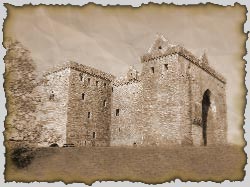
(186, 54)
(81, 68)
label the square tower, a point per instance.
(80, 100)
(183, 97)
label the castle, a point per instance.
(176, 99)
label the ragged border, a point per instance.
(133, 3)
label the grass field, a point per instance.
(148, 165)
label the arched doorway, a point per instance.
(205, 107)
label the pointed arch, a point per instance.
(205, 107)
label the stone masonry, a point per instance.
(176, 99)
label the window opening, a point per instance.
(89, 114)
(152, 69)
(166, 66)
(117, 111)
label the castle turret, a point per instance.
(132, 74)
(204, 58)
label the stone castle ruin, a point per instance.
(176, 99)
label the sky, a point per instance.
(113, 38)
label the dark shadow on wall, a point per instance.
(205, 108)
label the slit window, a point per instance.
(105, 85)
(81, 76)
(152, 69)
(89, 115)
(166, 66)
(97, 83)
(88, 81)
(52, 96)
(112, 89)
(104, 103)
(94, 135)
(117, 112)
(83, 96)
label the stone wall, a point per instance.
(200, 81)
(161, 106)
(126, 127)
(165, 106)
(163, 101)
(52, 113)
(89, 109)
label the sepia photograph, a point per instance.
(117, 93)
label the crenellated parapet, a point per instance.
(180, 50)
(133, 76)
(81, 68)
(124, 81)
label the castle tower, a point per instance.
(79, 102)
(183, 97)
(163, 102)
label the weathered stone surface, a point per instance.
(52, 113)
(89, 110)
(76, 107)
(176, 99)
(126, 127)
(167, 106)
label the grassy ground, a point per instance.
(148, 165)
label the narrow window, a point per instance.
(105, 85)
(83, 96)
(97, 83)
(52, 96)
(81, 76)
(93, 134)
(104, 103)
(117, 111)
(112, 89)
(152, 69)
(88, 81)
(166, 66)
(119, 129)
(89, 115)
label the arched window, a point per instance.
(205, 107)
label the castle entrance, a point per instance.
(205, 107)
